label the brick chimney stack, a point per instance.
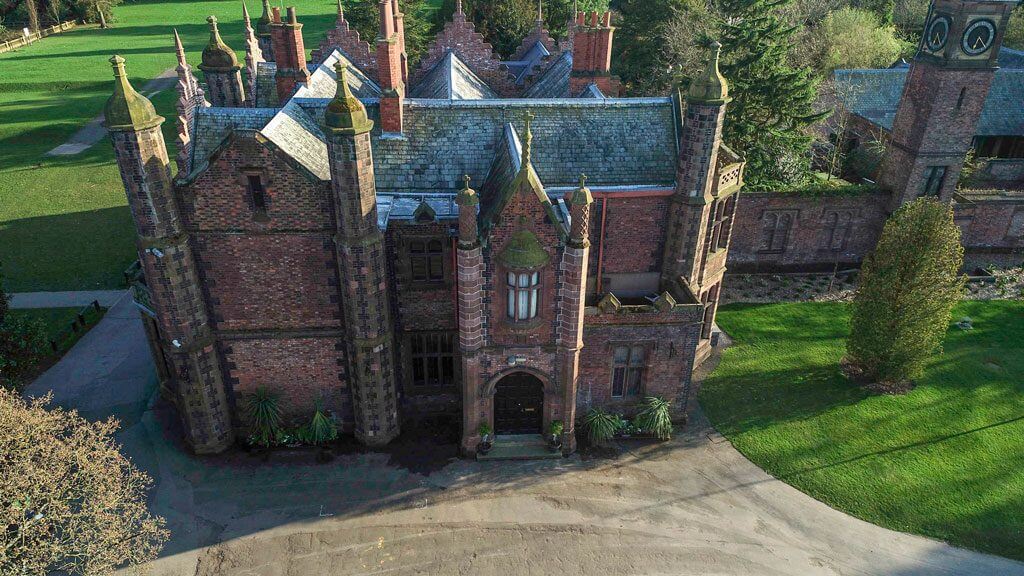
(289, 52)
(389, 69)
(592, 54)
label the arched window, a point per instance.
(523, 295)
(775, 231)
(837, 228)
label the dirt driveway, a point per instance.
(690, 506)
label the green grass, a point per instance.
(64, 224)
(945, 460)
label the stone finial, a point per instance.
(710, 87)
(179, 50)
(458, 6)
(245, 16)
(341, 12)
(664, 302)
(217, 56)
(467, 196)
(581, 196)
(263, 24)
(126, 109)
(345, 114)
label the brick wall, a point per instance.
(460, 36)
(670, 340)
(806, 246)
(301, 370)
(632, 236)
(991, 224)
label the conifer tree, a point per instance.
(908, 286)
(364, 16)
(773, 98)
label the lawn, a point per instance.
(64, 224)
(945, 460)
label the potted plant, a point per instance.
(486, 442)
(555, 430)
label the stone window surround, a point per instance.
(628, 367)
(261, 174)
(833, 222)
(774, 222)
(408, 359)
(404, 263)
(538, 290)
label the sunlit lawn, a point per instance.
(63, 221)
(946, 460)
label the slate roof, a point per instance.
(266, 86)
(875, 94)
(451, 79)
(403, 206)
(530, 62)
(1010, 58)
(614, 141)
(323, 82)
(553, 82)
(212, 126)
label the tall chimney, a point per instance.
(289, 53)
(389, 71)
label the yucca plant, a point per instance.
(655, 417)
(321, 428)
(264, 414)
(601, 426)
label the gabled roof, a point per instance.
(553, 82)
(323, 82)
(529, 63)
(616, 142)
(875, 95)
(451, 79)
(299, 136)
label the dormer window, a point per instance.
(523, 295)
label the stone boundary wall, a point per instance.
(783, 231)
(21, 41)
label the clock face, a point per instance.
(978, 37)
(937, 33)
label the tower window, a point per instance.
(934, 178)
(258, 195)
(523, 295)
(629, 365)
(426, 260)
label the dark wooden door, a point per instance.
(519, 405)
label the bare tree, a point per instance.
(69, 500)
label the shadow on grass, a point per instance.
(77, 251)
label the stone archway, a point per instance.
(519, 404)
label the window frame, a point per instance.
(432, 352)
(782, 222)
(421, 264)
(629, 370)
(523, 291)
(933, 184)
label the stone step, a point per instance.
(524, 447)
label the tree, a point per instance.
(661, 44)
(33, 15)
(69, 500)
(908, 286)
(854, 38)
(1015, 29)
(364, 16)
(504, 23)
(22, 344)
(773, 101)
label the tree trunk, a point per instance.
(33, 15)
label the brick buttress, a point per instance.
(165, 251)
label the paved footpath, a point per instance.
(693, 505)
(94, 131)
(106, 298)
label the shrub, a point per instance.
(264, 414)
(556, 428)
(908, 286)
(484, 429)
(601, 426)
(321, 428)
(655, 417)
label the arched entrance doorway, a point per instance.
(519, 404)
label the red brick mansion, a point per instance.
(505, 242)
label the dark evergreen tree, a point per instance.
(660, 44)
(907, 290)
(364, 16)
(773, 98)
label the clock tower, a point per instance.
(942, 99)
